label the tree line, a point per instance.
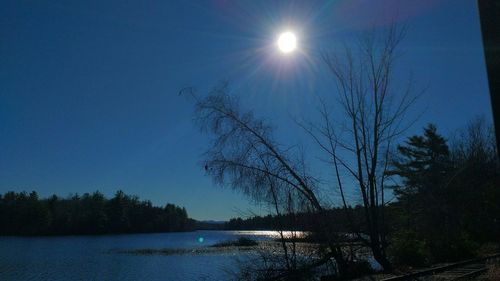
(301, 221)
(23, 213)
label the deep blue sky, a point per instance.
(89, 89)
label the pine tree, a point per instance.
(426, 194)
(423, 164)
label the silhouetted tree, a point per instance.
(424, 165)
(118, 212)
(244, 155)
(357, 144)
(474, 187)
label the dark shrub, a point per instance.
(451, 249)
(406, 249)
(354, 269)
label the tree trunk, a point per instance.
(381, 258)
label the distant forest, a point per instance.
(26, 214)
(298, 221)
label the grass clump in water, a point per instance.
(240, 242)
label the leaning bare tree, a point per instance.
(244, 155)
(358, 143)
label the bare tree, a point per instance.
(244, 155)
(374, 113)
(475, 142)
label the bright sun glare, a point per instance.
(287, 42)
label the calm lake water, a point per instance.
(92, 258)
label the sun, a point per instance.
(287, 42)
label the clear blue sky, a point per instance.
(89, 89)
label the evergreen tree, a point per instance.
(423, 164)
(426, 194)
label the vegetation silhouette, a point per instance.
(448, 199)
(26, 214)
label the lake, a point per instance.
(98, 257)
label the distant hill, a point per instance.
(211, 225)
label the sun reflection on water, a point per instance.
(271, 233)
